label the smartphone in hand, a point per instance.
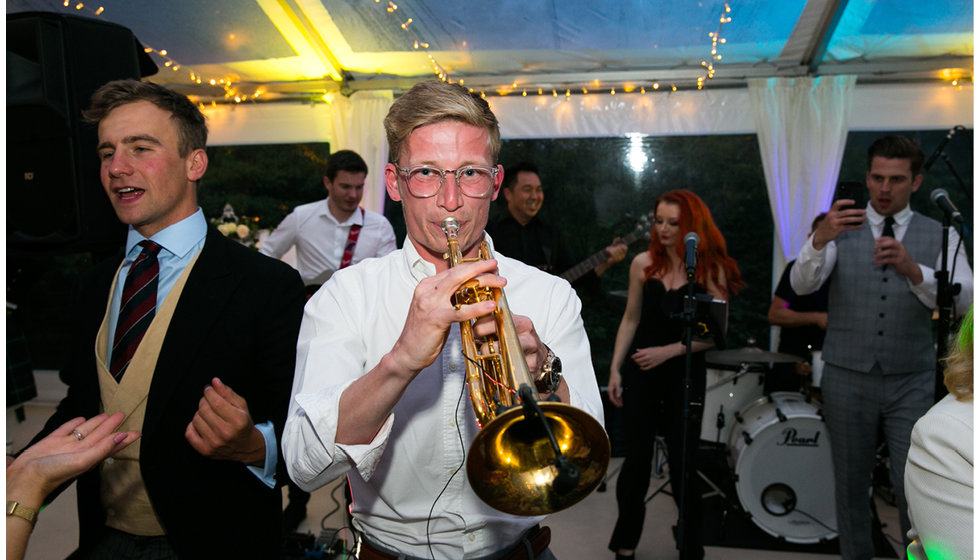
(852, 190)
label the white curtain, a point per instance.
(357, 124)
(801, 124)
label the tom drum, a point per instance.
(783, 471)
(727, 392)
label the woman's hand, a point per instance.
(652, 356)
(62, 455)
(615, 388)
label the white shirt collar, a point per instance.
(421, 268)
(902, 217)
(356, 218)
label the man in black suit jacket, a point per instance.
(203, 483)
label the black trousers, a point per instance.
(653, 403)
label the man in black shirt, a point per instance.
(522, 235)
(804, 321)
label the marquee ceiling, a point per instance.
(267, 50)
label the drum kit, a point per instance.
(776, 445)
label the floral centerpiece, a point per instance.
(244, 229)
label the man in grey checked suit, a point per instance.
(879, 354)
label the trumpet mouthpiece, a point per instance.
(450, 226)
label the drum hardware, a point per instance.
(725, 394)
(662, 460)
(748, 355)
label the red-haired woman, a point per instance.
(648, 364)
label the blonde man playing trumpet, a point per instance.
(379, 388)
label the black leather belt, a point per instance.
(537, 540)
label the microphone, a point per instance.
(941, 198)
(691, 241)
(939, 148)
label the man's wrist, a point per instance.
(256, 455)
(549, 377)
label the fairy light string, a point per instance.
(226, 83)
(409, 24)
(716, 41)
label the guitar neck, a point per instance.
(583, 268)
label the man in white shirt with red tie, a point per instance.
(333, 233)
(329, 235)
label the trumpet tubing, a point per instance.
(519, 463)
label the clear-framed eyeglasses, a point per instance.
(426, 181)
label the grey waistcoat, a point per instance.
(872, 315)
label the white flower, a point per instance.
(242, 231)
(227, 228)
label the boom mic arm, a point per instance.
(942, 144)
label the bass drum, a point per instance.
(727, 392)
(783, 471)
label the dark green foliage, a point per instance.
(266, 181)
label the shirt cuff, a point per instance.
(321, 410)
(267, 473)
(926, 290)
(366, 456)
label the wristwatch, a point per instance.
(24, 512)
(550, 376)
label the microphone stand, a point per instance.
(944, 303)
(688, 318)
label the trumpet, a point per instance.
(531, 457)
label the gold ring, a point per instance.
(78, 435)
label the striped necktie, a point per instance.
(138, 306)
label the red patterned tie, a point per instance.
(355, 231)
(139, 302)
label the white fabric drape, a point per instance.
(357, 124)
(801, 124)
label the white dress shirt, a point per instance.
(814, 267)
(320, 239)
(409, 483)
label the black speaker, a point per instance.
(55, 200)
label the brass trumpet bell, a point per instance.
(511, 464)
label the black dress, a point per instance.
(653, 405)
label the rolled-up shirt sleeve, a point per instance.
(330, 356)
